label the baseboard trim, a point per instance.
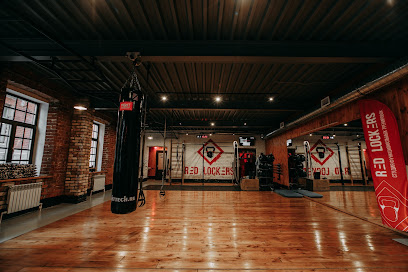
(75, 199)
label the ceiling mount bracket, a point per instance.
(135, 57)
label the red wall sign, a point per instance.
(211, 152)
(126, 106)
(321, 153)
(386, 162)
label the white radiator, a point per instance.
(23, 197)
(98, 183)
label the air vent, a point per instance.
(325, 101)
(282, 124)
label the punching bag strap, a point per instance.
(162, 193)
(141, 198)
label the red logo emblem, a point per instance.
(392, 205)
(211, 152)
(126, 106)
(321, 153)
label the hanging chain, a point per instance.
(133, 81)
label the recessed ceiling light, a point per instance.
(150, 138)
(212, 124)
(270, 98)
(187, 134)
(310, 134)
(218, 99)
(79, 107)
(345, 124)
(164, 98)
(210, 134)
(244, 124)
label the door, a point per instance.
(159, 164)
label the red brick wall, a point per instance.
(108, 156)
(56, 148)
(61, 138)
(76, 183)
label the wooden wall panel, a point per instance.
(395, 96)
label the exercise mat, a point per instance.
(308, 193)
(288, 193)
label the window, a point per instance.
(17, 130)
(94, 146)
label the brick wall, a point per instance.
(67, 133)
(108, 156)
(56, 148)
(76, 183)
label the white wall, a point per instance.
(219, 169)
(330, 168)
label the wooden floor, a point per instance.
(210, 231)
(363, 204)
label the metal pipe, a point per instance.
(143, 141)
(341, 170)
(182, 163)
(351, 96)
(361, 164)
(203, 163)
(164, 152)
(349, 165)
(170, 159)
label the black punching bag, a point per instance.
(127, 153)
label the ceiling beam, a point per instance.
(216, 59)
(214, 51)
(226, 109)
(219, 127)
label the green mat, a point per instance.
(288, 193)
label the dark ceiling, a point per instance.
(245, 51)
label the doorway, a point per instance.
(155, 163)
(159, 164)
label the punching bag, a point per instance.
(127, 153)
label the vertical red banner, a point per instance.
(386, 162)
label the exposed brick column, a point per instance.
(57, 140)
(76, 182)
(108, 156)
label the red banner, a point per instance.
(387, 162)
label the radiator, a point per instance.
(98, 183)
(23, 197)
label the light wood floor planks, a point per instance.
(210, 231)
(360, 203)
